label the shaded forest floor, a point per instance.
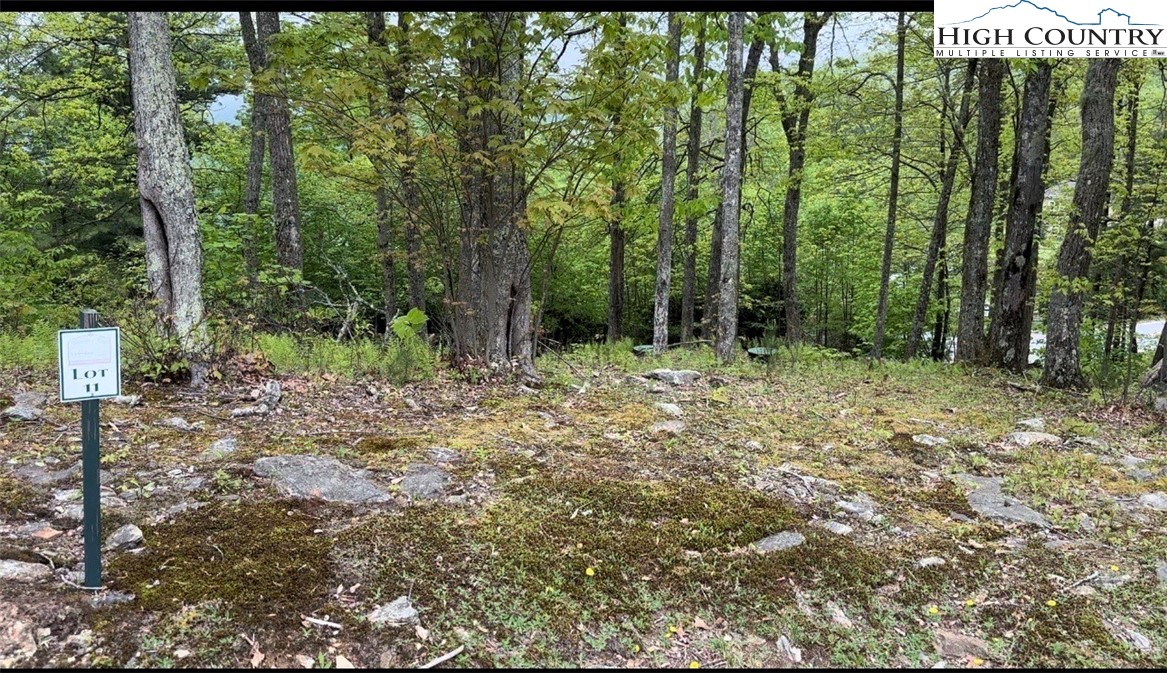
(588, 522)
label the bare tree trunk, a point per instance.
(1062, 366)
(693, 164)
(385, 255)
(795, 118)
(257, 60)
(940, 222)
(975, 266)
(1009, 332)
(616, 234)
(893, 191)
(664, 245)
(279, 135)
(731, 193)
(174, 256)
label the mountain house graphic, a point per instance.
(1108, 16)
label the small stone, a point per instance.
(1156, 501)
(400, 612)
(671, 427)
(1161, 573)
(1109, 579)
(678, 377)
(106, 599)
(319, 477)
(22, 571)
(442, 454)
(929, 440)
(838, 528)
(754, 445)
(1027, 439)
(839, 617)
(1129, 636)
(127, 400)
(788, 650)
(16, 413)
(305, 661)
(670, 408)
(181, 654)
(424, 481)
(930, 561)
(47, 533)
(125, 537)
(343, 662)
(959, 646)
(178, 423)
(220, 449)
(787, 539)
(1032, 424)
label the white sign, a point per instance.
(1050, 29)
(89, 363)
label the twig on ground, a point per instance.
(445, 657)
(322, 622)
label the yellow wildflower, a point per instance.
(1051, 602)
(590, 571)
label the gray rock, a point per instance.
(29, 399)
(929, 440)
(671, 427)
(988, 500)
(955, 645)
(670, 408)
(126, 537)
(40, 477)
(424, 482)
(21, 571)
(220, 449)
(1109, 579)
(1156, 501)
(838, 528)
(1161, 573)
(787, 539)
(19, 413)
(400, 612)
(106, 599)
(788, 650)
(675, 377)
(442, 454)
(1129, 636)
(1032, 424)
(1027, 439)
(929, 561)
(179, 423)
(127, 400)
(318, 477)
(194, 484)
(754, 445)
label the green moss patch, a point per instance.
(18, 499)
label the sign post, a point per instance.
(89, 369)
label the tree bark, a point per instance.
(975, 265)
(1009, 331)
(414, 262)
(731, 193)
(693, 164)
(174, 257)
(375, 29)
(279, 134)
(664, 246)
(1062, 366)
(893, 191)
(616, 234)
(257, 61)
(939, 236)
(795, 118)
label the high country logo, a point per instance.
(1071, 29)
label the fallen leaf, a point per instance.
(421, 632)
(700, 623)
(46, 533)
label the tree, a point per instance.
(692, 185)
(617, 236)
(279, 135)
(260, 102)
(664, 259)
(1008, 345)
(975, 265)
(893, 190)
(939, 236)
(170, 225)
(795, 119)
(1062, 366)
(375, 29)
(731, 193)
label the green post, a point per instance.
(91, 476)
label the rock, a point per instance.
(194, 483)
(126, 537)
(1156, 501)
(838, 528)
(179, 423)
(929, 440)
(22, 571)
(1027, 439)
(1109, 579)
(181, 654)
(400, 612)
(788, 650)
(29, 399)
(319, 477)
(669, 408)
(442, 454)
(677, 377)
(45, 532)
(1032, 424)
(220, 449)
(1161, 573)
(988, 500)
(305, 661)
(343, 662)
(861, 506)
(268, 398)
(18, 413)
(839, 617)
(1129, 636)
(424, 482)
(107, 599)
(787, 539)
(754, 445)
(955, 645)
(671, 427)
(929, 561)
(127, 400)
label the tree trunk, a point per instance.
(616, 235)
(279, 134)
(893, 191)
(731, 193)
(940, 222)
(693, 164)
(174, 256)
(795, 118)
(1062, 366)
(1009, 332)
(257, 60)
(385, 255)
(664, 245)
(975, 266)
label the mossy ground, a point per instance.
(605, 543)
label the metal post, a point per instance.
(91, 476)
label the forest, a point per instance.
(599, 338)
